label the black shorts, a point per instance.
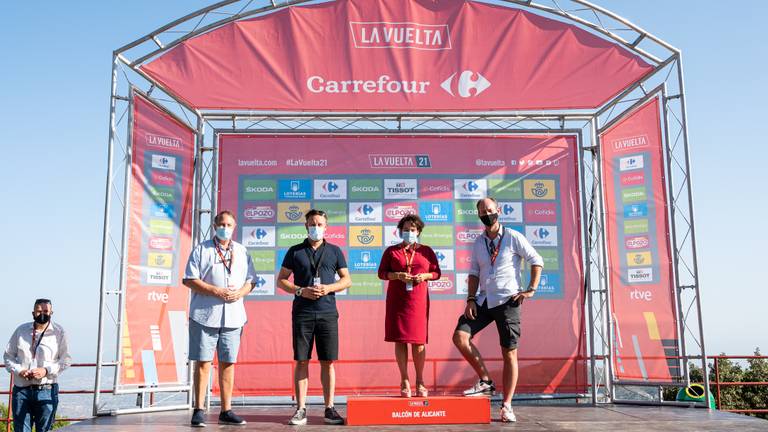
(506, 317)
(320, 328)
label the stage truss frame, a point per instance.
(666, 81)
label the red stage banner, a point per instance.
(397, 55)
(639, 256)
(366, 184)
(153, 347)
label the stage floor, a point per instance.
(529, 418)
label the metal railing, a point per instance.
(717, 384)
(8, 419)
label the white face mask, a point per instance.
(224, 233)
(409, 237)
(316, 233)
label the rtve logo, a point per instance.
(466, 82)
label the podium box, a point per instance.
(362, 411)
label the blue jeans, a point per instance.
(34, 406)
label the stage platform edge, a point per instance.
(369, 411)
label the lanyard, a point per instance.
(34, 351)
(493, 251)
(315, 265)
(409, 259)
(223, 256)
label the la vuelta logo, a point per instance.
(400, 35)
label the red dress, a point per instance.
(407, 314)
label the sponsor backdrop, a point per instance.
(397, 55)
(640, 265)
(154, 342)
(366, 184)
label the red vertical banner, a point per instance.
(153, 346)
(638, 245)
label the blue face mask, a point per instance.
(316, 233)
(224, 233)
(409, 237)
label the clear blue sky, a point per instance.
(54, 88)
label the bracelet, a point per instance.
(472, 298)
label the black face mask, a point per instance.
(489, 219)
(42, 318)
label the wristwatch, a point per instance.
(298, 291)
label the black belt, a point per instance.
(38, 386)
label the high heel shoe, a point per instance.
(405, 392)
(421, 391)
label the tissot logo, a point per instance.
(468, 80)
(400, 35)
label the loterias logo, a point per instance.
(400, 35)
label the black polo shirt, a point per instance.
(297, 260)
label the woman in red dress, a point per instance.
(408, 266)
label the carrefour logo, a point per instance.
(445, 258)
(331, 189)
(164, 162)
(258, 236)
(470, 188)
(511, 212)
(539, 235)
(631, 163)
(364, 212)
(467, 82)
(264, 284)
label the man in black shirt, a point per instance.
(314, 264)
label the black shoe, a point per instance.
(229, 417)
(198, 418)
(299, 417)
(332, 417)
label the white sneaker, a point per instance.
(507, 415)
(481, 388)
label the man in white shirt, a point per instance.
(219, 273)
(36, 354)
(495, 294)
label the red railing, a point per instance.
(718, 384)
(8, 420)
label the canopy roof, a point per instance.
(397, 56)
